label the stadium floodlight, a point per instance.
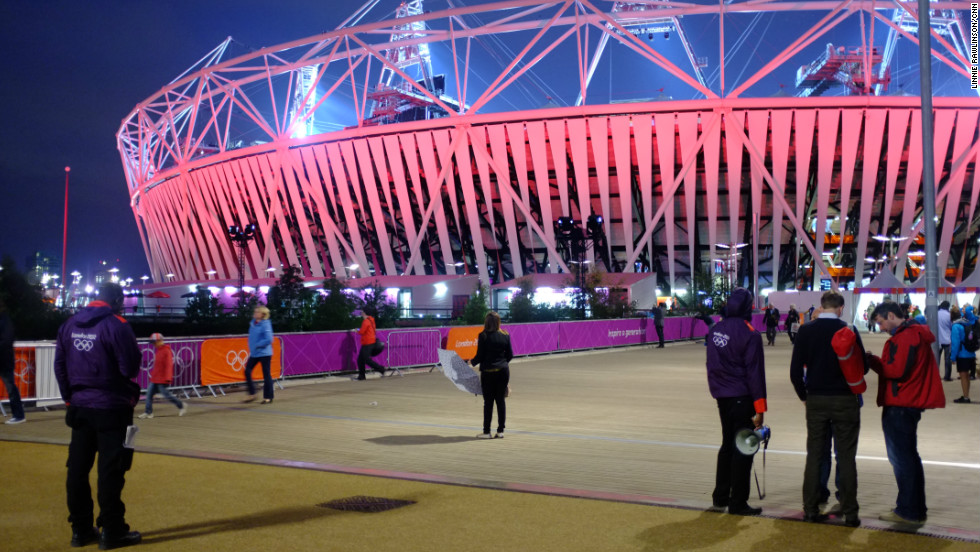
(564, 226)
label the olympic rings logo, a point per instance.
(147, 365)
(236, 359)
(183, 359)
(24, 370)
(720, 341)
(84, 345)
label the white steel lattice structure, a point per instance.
(475, 187)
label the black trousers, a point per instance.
(771, 332)
(840, 415)
(268, 388)
(495, 391)
(734, 468)
(366, 356)
(102, 432)
(660, 333)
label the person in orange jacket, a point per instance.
(161, 376)
(908, 383)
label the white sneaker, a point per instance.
(14, 421)
(183, 410)
(145, 416)
(485, 436)
(499, 436)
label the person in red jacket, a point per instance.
(908, 383)
(161, 376)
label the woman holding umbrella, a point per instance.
(493, 355)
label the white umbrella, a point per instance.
(459, 372)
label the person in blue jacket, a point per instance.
(96, 361)
(965, 360)
(737, 381)
(260, 352)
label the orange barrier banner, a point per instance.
(223, 360)
(24, 370)
(463, 341)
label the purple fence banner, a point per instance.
(415, 347)
(317, 353)
(533, 339)
(589, 334)
(187, 363)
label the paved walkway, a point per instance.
(632, 424)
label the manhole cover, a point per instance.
(368, 504)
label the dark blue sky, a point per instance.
(72, 70)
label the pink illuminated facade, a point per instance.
(312, 141)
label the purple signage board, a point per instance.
(533, 339)
(588, 334)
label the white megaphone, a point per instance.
(747, 441)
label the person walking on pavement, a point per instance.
(370, 347)
(966, 360)
(908, 383)
(792, 323)
(96, 360)
(260, 352)
(737, 381)
(772, 324)
(831, 409)
(161, 376)
(7, 366)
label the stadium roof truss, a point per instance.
(476, 188)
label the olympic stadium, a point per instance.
(780, 142)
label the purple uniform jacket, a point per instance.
(96, 359)
(736, 362)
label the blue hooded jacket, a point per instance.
(958, 335)
(96, 359)
(735, 361)
(260, 338)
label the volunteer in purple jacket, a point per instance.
(96, 360)
(737, 380)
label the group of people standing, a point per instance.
(908, 383)
(959, 341)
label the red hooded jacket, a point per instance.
(163, 366)
(907, 372)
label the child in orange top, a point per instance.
(161, 376)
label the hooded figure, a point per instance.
(737, 380)
(96, 360)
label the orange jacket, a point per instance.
(367, 331)
(163, 366)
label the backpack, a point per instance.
(971, 341)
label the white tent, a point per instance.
(885, 282)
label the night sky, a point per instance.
(72, 70)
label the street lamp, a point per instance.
(240, 236)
